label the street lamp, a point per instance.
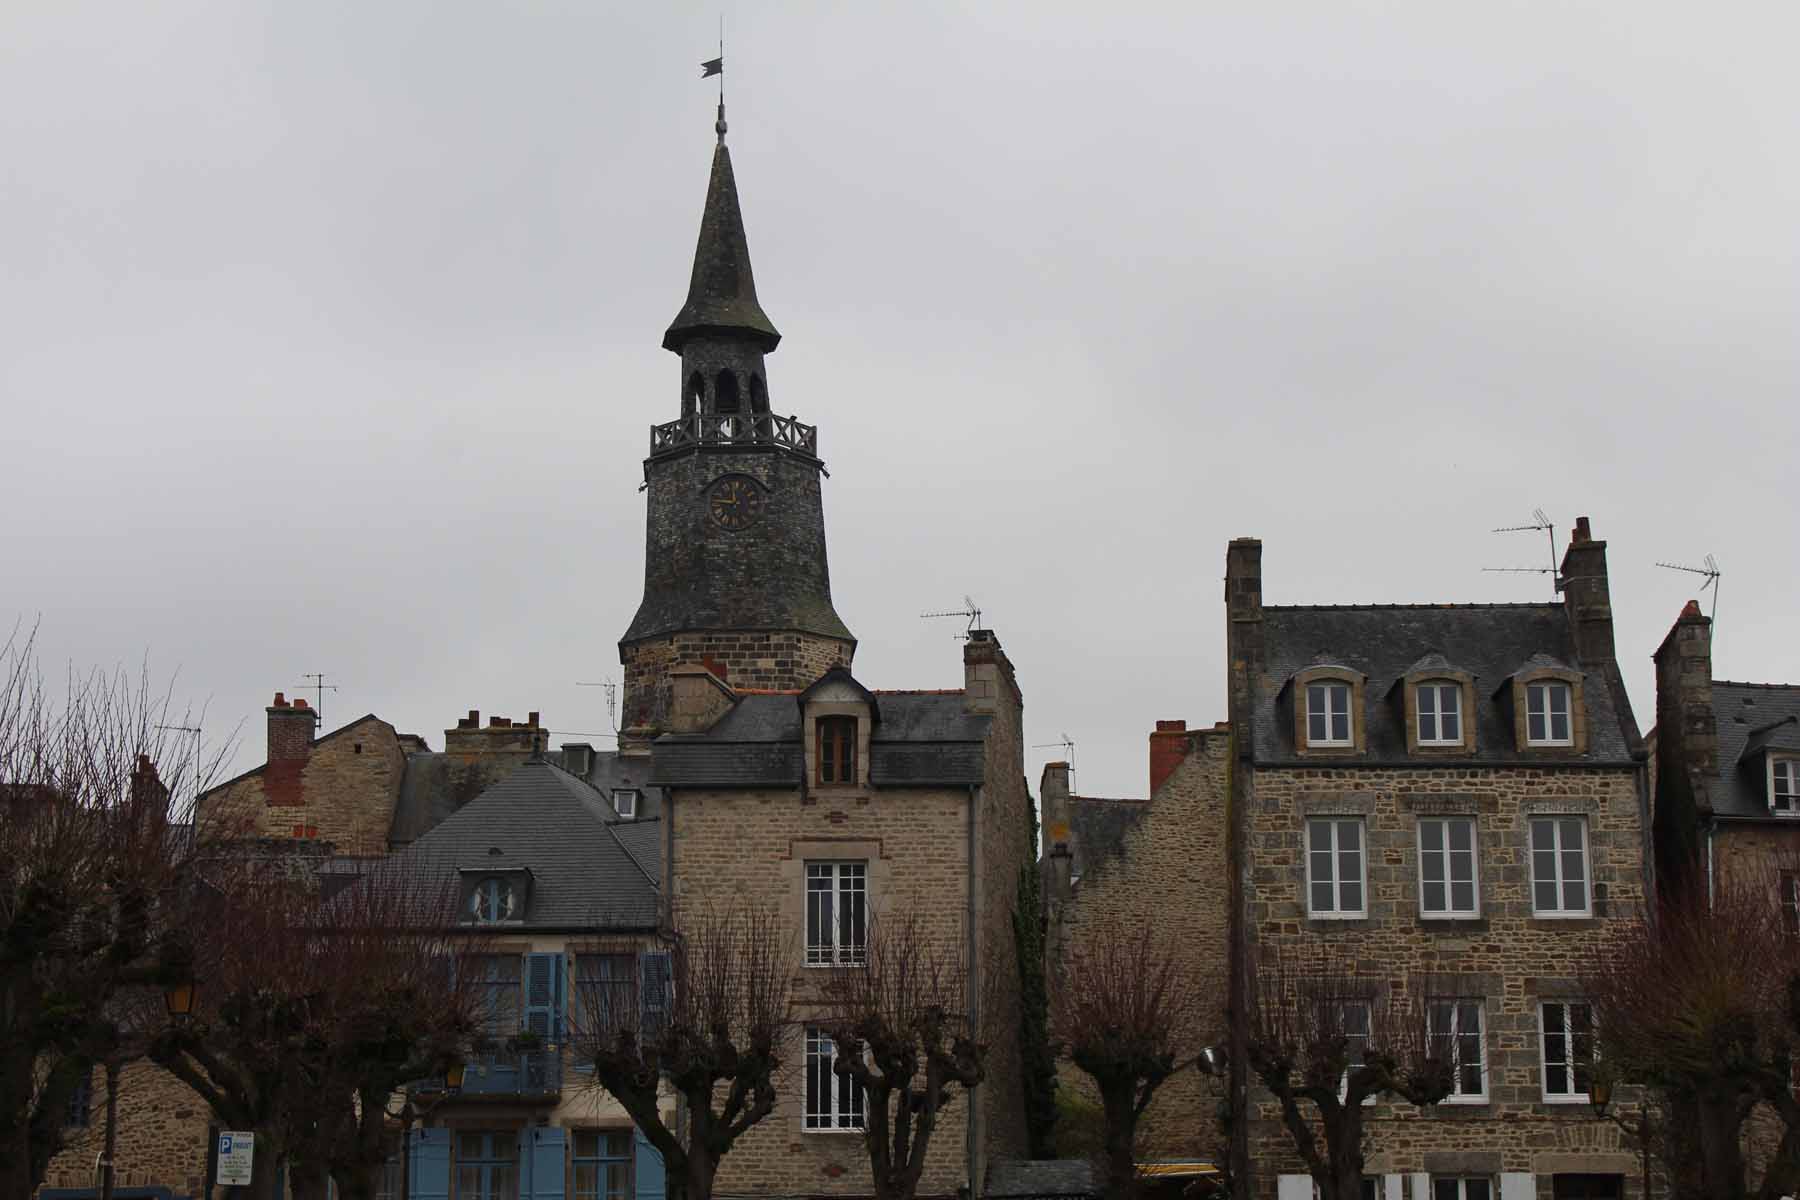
(1600, 1096)
(179, 998)
(453, 1076)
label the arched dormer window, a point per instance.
(759, 395)
(725, 393)
(694, 398)
(1328, 710)
(1549, 710)
(1439, 707)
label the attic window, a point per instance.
(1784, 786)
(1440, 713)
(493, 900)
(625, 802)
(1547, 714)
(1328, 714)
(836, 738)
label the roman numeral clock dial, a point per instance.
(736, 501)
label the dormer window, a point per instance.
(1547, 714)
(1439, 707)
(625, 803)
(836, 739)
(493, 900)
(1328, 714)
(1784, 786)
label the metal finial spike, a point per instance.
(719, 125)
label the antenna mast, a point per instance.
(1710, 571)
(195, 730)
(319, 686)
(1539, 524)
(612, 700)
(1068, 748)
(969, 610)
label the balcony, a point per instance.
(734, 429)
(517, 1074)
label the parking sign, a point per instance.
(237, 1152)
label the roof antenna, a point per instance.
(318, 685)
(195, 730)
(969, 610)
(1712, 573)
(1539, 524)
(612, 700)
(1068, 748)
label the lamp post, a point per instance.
(179, 998)
(1600, 1096)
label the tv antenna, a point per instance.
(612, 701)
(1067, 745)
(319, 686)
(1712, 573)
(969, 610)
(1539, 524)
(195, 730)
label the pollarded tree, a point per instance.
(1326, 1039)
(901, 1025)
(703, 1014)
(1130, 1013)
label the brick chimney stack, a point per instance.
(291, 728)
(1587, 596)
(1169, 745)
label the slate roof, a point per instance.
(588, 869)
(921, 739)
(435, 785)
(1752, 717)
(1098, 827)
(1022, 1178)
(1489, 641)
(722, 292)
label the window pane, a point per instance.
(1352, 893)
(1349, 835)
(1462, 836)
(1462, 896)
(1321, 896)
(1444, 1189)
(1315, 726)
(1475, 1189)
(1450, 705)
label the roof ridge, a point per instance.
(1546, 605)
(918, 691)
(1773, 687)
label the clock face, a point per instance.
(736, 501)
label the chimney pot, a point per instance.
(280, 700)
(1582, 532)
(474, 716)
(531, 719)
(1691, 610)
(299, 702)
(1171, 726)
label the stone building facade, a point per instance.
(1456, 796)
(162, 1140)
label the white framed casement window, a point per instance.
(1448, 873)
(1355, 1015)
(1439, 709)
(1335, 884)
(625, 803)
(834, 1101)
(1454, 1029)
(1789, 884)
(1328, 714)
(837, 913)
(1559, 867)
(1547, 719)
(1462, 1187)
(1784, 786)
(1566, 1043)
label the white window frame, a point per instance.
(1538, 695)
(1335, 858)
(1367, 1009)
(625, 803)
(1456, 1034)
(842, 1108)
(846, 882)
(1569, 1060)
(1462, 1183)
(1438, 690)
(1448, 856)
(1784, 785)
(1326, 689)
(1559, 823)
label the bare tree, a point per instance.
(901, 1027)
(709, 1022)
(1701, 1003)
(87, 853)
(1325, 1038)
(1130, 1014)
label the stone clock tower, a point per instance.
(735, 576)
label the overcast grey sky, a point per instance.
(331, 329)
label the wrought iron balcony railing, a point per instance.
(536, 1072)
(723, 429)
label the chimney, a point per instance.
(503, 739)
(1169, 746)
(291, 729)
(1053, 793)
(697, 698)
(988, 678)
(1686, 727)
(149, 795)
(1243, 631)
(1587, 596)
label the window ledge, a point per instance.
(1565, 918)
(1565, 1102)
(837, 1132)
(1336, 918)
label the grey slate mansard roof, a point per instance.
(435, 785)
(588, 869)
(1752, 717)
(920, 739)
(1384, 642)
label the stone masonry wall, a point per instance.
(1171, 873)
(745, 659)
(1753, 855)
(1506, 957)
(162, 1135)
(348, 785)
(732, 845)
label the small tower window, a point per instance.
(759, 395)
(836, 738)
(725, 393)
(695, 395)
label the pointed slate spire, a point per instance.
(722, 293)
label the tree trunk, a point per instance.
(1721, 1155)
(109, 1159)
(1120, 1139)
(1343, 1154)
(308, 1182)
(696, 1182)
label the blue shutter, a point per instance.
(428, 1171)
(543, 1016)
(541, 1162)
(647, 1167)
(653, 992)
